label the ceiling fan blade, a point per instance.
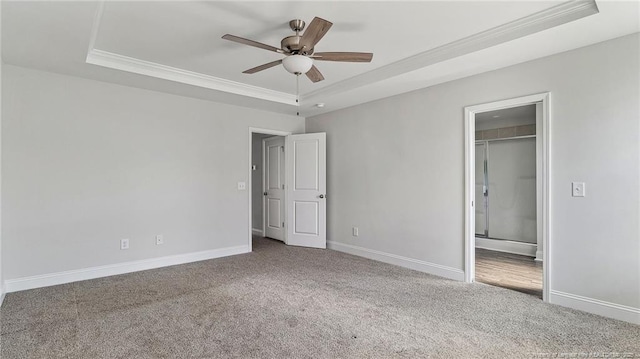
(343, 56)
(314, 32)
(262, 67)
(314, 74)
(244, 41)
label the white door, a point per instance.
(274, 173)
(306, 190)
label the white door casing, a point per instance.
(306, 190)
(274, 187)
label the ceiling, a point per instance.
(176, 47)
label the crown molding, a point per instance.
(546, 19)
(542, 20)
(147, 68)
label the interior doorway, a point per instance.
(506, 157)
(257, 157)
(505, 199)
(287, 181)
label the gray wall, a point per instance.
(87, 163)
(396, 167)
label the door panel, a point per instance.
(306, 171)
(274, 187)
(273, 178)
(306, 196)
(306, 217)
(273, 213)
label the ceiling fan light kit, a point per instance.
(297, 64)
(299, 50)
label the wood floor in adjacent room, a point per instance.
(511, 271)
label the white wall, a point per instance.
(87, 163)
(396, 168)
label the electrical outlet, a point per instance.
(159, 239)
(124, 244)
(355, 231)
(242, 186)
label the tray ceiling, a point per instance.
(177, 46)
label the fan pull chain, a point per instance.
(298, 93)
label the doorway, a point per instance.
(505, 199)
(287, 181)
(506, 182)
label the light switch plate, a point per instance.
(578, 189)
(242, 186)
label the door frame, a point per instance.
(543, 174)
(264, 131)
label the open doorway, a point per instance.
(287, 182)
(507, 194)
(267, 151)
(505, 200)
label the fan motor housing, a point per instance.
(291, 45)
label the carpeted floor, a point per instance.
(287, 302)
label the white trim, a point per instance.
(148, 68)
(411, 263)
(97, 19)
(595, 306)
(505, 246)
(257, 232)
(3, 293)
(264, 131)
(544, 155)
(554, 16)
(45, 280)
(539, 256)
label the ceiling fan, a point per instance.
(299, 50)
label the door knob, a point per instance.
(265, 193)
(321, 196)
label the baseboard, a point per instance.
(539, 256)
(3, 292)
(595, 306)
(500, 245)
(415, 264)
(46, 280)
(257, 232)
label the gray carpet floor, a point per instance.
(288, 302)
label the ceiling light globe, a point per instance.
(297, 64)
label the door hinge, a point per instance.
(283, 186)
(282, 224)
(282, 148)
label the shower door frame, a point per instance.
(543, 166)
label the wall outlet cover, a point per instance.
(578, 189)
